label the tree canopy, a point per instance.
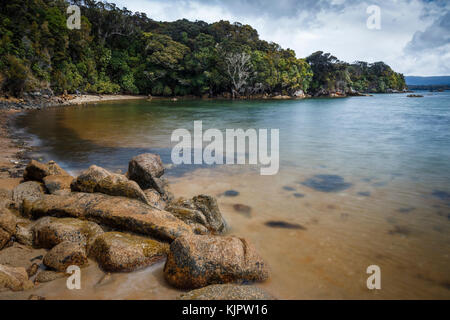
(118, 51)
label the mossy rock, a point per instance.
(121, 252)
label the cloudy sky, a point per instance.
(413, 38)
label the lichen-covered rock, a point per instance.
(4, 238)
(162, 187)
(8, 221)
(56, 183)
(30, 190)
(227, 292)
(7, 226)
(66, 254)
(48, 275)
(49, 231)
(120, 252)
(155, 199)
(24, 233)
(197, 261)
(116, 212)
(201, 210)
(15, 279)
(32, 270)
(144, 169)
(36, 171)
(97, 179)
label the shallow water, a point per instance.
(362, 181)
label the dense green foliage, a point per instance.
(116, 50)
(332, 75)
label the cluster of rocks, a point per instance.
(123, 223)
(39, 99)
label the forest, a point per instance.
(119, 51)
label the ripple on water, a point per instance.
(327, 183)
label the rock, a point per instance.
(155, 199)
(231, 193)
(36, 297)
(197, 261)
(48, 275)
(57, 182)
(202, 209)
(7, 226)
(64, 255)
(36, 171)
(242, 208)
(15, 279)
(32, 270)
(284, 225)
(299, 94)
(162, 187)
(415, 96)
(116, 212)
(4, 238)
(144, 169)
(24, 233)
(49, 232)
(21, 256)
(227, 292)
(120, 252)
(97, 179)
(30, 190)
(8, 221)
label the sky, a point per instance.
(412, 36)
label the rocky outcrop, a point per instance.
(56, 183)
(97, 179)
(48, 275)
(36, 171)
(49, 232)
(155, 199)
(197, 261)
(144, 169)
(201, 212)
(120, 252)
(116, 212)
(8, 221)
(7, 226)
(5, 237)
(227, 292)
(15, 279)
(30, 190)
(24, 232)
(66, 254)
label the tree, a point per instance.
(239, 69)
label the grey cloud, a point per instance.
(276, 8)
(435, 36)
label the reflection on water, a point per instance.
(362, 181)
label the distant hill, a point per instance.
(427, 81)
